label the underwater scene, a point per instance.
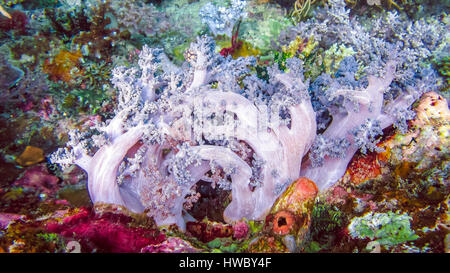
(233, 126)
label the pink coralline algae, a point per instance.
(39, 179)
(105, 233)
(338, 195)
(171, 245)
(240, 230)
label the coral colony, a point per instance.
(212, 120)
(221, 19)
(327, 132)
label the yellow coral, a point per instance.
(310, 45)
(245, 50)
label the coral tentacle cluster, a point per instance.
(171, 132)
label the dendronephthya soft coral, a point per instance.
(214, 120)
(176, 128)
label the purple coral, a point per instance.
(176, 128)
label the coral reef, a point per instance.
(352, 128)
(346, 98)
(221, 19)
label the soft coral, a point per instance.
(107, 232)
(18, 21)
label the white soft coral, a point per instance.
(153, 155)
(370, 115)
